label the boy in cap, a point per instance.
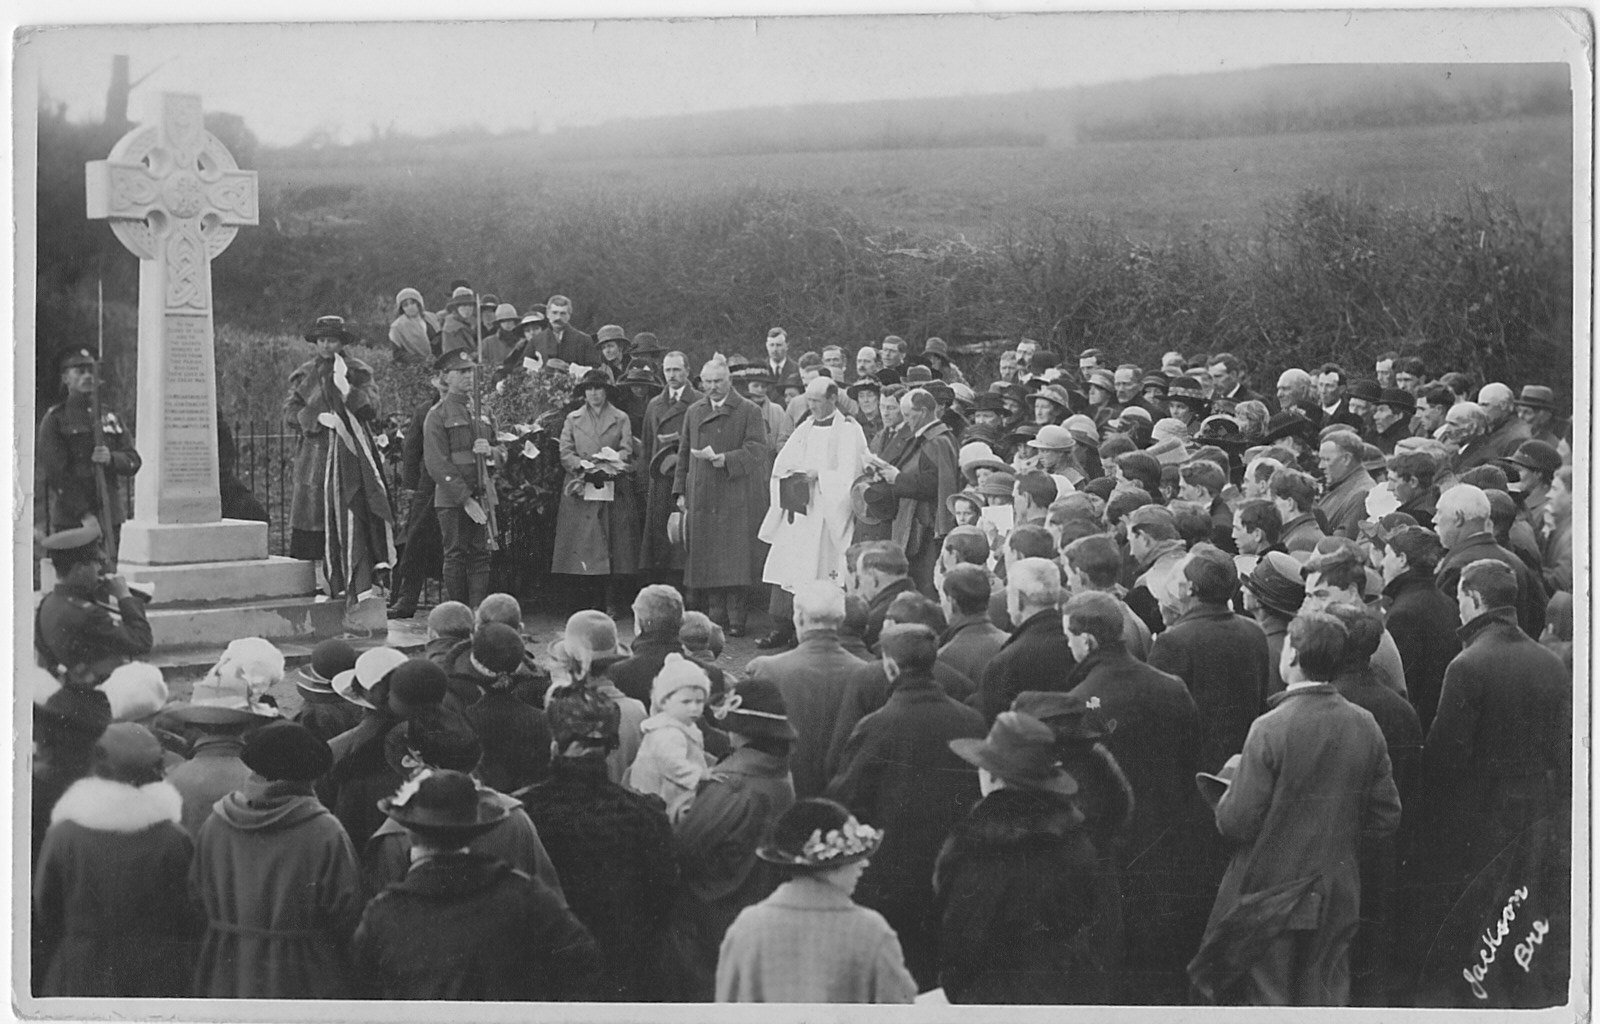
(464, 925)
(277, 878)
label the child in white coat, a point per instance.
(672, 756)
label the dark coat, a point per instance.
(1314, 781)
(929, 474)
(278, 881)
(1222, 658)
(1036, 657)
(1498, 760)
(1531, 596)
(716, 841)
(64, 475)
(1423, 623)
(311, 393)
(868, 689)
(515, 737)
(574, 346)
(386, 857)
(724, 505)
(813, 678)
(464, 926)
(898, 773)
(78, 639)
(1156, 743)
(1018, 893)
(110, 894)
(612, 848)
(969, 644)
(327, 714)
(360, 777)
(663, 422)
(878, 608)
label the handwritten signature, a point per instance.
(1495, 936)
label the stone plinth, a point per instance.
(255, 579)
(215, 624)
(225, 540)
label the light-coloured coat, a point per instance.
(596, 538)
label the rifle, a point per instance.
(491, 527)
(102, 488)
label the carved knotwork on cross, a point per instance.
(173, 193)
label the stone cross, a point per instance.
(175, 197)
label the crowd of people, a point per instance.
(1085, 685)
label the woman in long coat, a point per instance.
(278, 879)
(597, 538)
(111, 892)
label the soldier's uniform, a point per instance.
(64, 483)
(448, 434)
(80, 631)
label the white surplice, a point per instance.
(811, 546)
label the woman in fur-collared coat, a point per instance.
(111, 900)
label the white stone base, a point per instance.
(257, 579)
(297, 618)
(227, 540)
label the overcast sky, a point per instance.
(288, 80)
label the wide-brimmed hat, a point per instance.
(1069, 716)
(355, 684)
(1054, 394)
(506, 311)
(825, 847)
(976, 455)
(330, 327)
(1398, 398)
(445, 805)
(328, 659)
(755, 707)
(989, 401)
(1212, 786)
(936, 347)
(1276, 583)
(286, 751)
(1054, 438)
(970, 496)
(597, 378)
(234, 692)
(868, 383)
(641, 376)
(462, 297)
(1537, 396)
(873, 501)
(1188, 391)
(664, 463)
(610, 333)
(645, 343)
(1536, 454)
(534, 319)
(1366, 389)
(1021, 751)
(1289, 423)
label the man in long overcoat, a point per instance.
(721, 484)
(663, 423)
(1156, 742)
(898, 773)
(923, 478)
(1312, 782)
(1497, 775)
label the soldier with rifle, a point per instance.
(459, 448)
(82, 456)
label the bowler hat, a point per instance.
(286, 751)
(872, 500)
(330, 327)
(1020, 750)
(1069, 716)
(1276, 582)
(328, 659)
(1213, 786)
(645, 343)
(917, 376)
(1537, 396)
(1397, 398)
(755, 707)
(445, 805)
(1535, 454)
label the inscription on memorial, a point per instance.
(188, 438)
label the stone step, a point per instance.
(182, 666)
(216, 624)
(257, 579)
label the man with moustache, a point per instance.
(570, 344)
(663, 424)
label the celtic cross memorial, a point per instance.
(175, 198)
